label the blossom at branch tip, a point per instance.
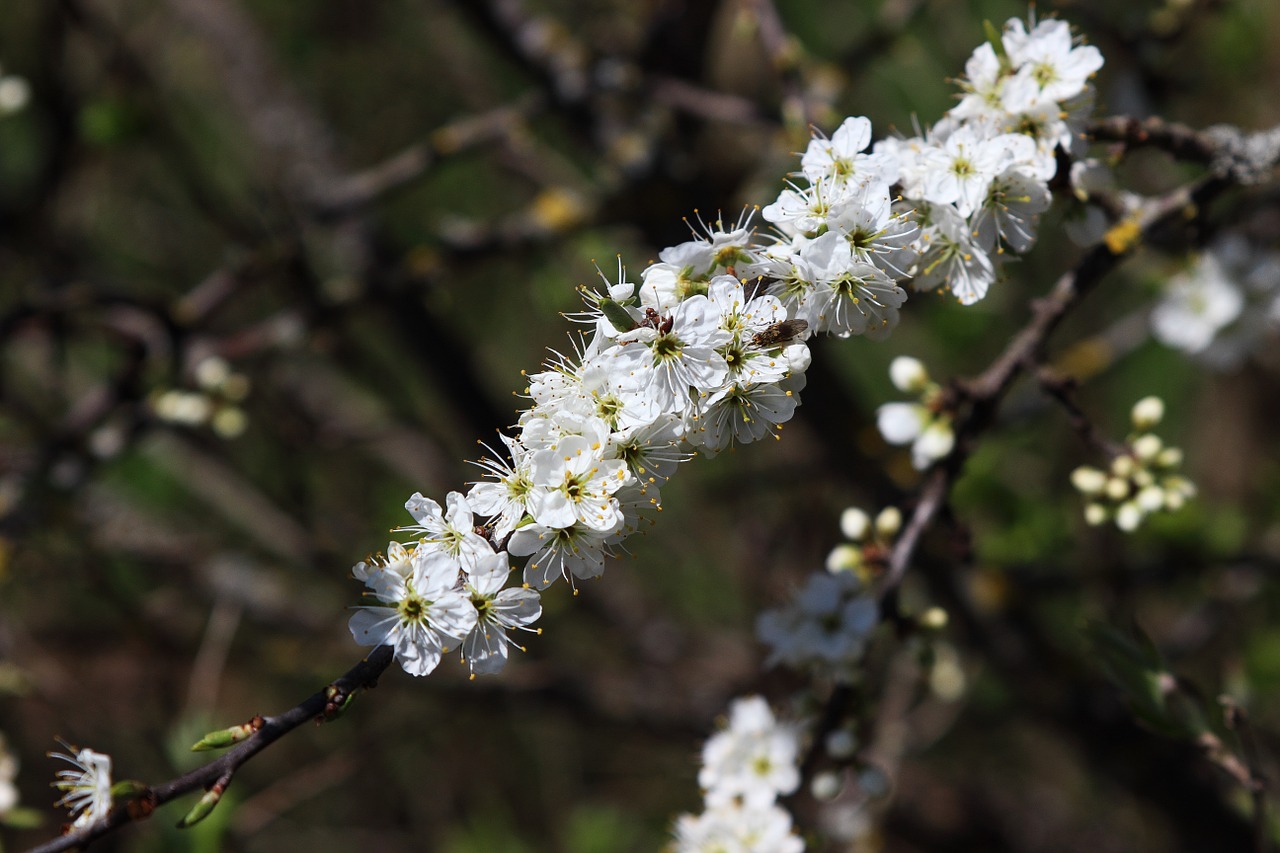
(86, 790)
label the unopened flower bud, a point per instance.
(212, 372)
(854, 523)
(888, 522)
(1094, 514)
(1089, 481)
(908, 374)
(1128, 516)
(1147, 447)
(935, 618)
(1181, 485)
(1150, 499)
(229, 422)
(1170, 457)
(934, 443)
(14, 94)
(1123, 466)
(1117, 489)
(1147, 412)
(841, 744)
(844, 558)
(825, 786)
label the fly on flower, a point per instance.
(780, 334)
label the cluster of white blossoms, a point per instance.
(691, 359)
(926, 424)
(745, 768)
(826, 625)
(1139, 482)
(1224, 306)
(708, 349)
(86, 790)
(977, 181)
(973, 186)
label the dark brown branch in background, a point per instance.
(1181, 141)
(356, 191)
(782, 51)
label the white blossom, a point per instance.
(86, 790)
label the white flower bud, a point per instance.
(182, 407)
(825, 786)
(1117, 489)
(1147, 447)
(1147, 412)
(1170, 457)
(1095, 514)
(888, 522)
(1142, 478)
(212, 372)
(1174, 501)
(1128, 516)
(935, 618)
(1181, 485)
(1123, 466)
(14, 94)
(908, 374)
(934, 443)
(1150, 499)
(1089, 481)
(901, 423)
(844, 558)
(854, 523)
(229, 422)
(841, 744)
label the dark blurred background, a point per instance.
(268, 267)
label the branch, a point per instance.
(983, 394)
(353, 192)
(322, 706)
(1229, 152)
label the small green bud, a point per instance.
(617, 315)
(202, 809)
(224, 738)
